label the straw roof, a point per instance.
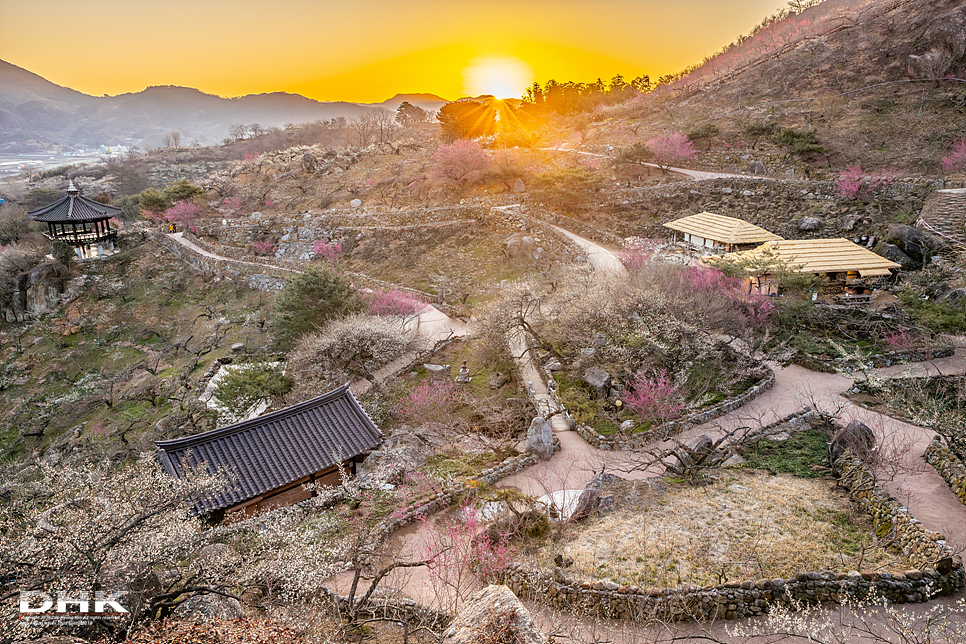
(824, 256)
(723, 229)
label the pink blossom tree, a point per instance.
(670, 149)
(182, 213)
(393, 302)
(955, 161)
(328, 253)
(233, 203)
(655, 397)
(429, 402)
(459, 162)
(266, 247)
(853, 183)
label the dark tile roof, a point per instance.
(73, 208)
(276, 449)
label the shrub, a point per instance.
(346, 350)
(329, 253)
(309, 300)
(853, 183)
(14, 225)
(246, 386)
(266, 247)
(705, 131)
(804, 143)
(955, 161)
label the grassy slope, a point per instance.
(80, 377)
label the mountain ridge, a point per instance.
(39, 115)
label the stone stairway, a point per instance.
(945, 214)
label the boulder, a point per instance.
(139, 582)
(493, 615)
(519, 187)
(519, 245)
(355, 203)
(203, 608)
(757, 167)
(590, 499)
(856, 437)
(955, 297)
(894, 254)
(37, 291)
(539, 438)
(438, 370)
(599, 381)
(917, 244)
(498, 379)
(810, 224)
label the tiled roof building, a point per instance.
(272, 456)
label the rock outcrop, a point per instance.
(494, 614)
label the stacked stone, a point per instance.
(949, 467)
(922, 547)
(621, 442)
(434, 502)
(734, 600)
(887, 359)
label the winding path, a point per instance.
(916, 484)
(433, 324)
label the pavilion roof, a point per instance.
(73, 208)
(723, 229)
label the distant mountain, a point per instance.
(428, 102)
(37, 115)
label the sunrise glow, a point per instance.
(502, 77)
(363, 51)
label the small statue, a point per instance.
(463, 376)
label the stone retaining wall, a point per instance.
(922, 547)
(936, 573)
(949, 467)
(836, 365)
(623, 442)
(261, 277)
(266, 277)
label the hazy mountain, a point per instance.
(37, 115)
(428, 102)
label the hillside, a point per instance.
(37, 115)
(852, 76)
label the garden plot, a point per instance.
(745, 526)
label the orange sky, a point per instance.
(362, 50)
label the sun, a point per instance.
(501, 76)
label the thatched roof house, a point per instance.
(712, 231)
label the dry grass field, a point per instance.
(745, 526)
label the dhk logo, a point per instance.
(80, 600)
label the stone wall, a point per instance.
(949, 467)
(261, 277)
(921, 547)
(837, 365)
(624, 442)
(774, 205)
(937, 573)
(435, 502)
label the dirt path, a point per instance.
(434, 325)
(697, 175)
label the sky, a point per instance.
(362, 50)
